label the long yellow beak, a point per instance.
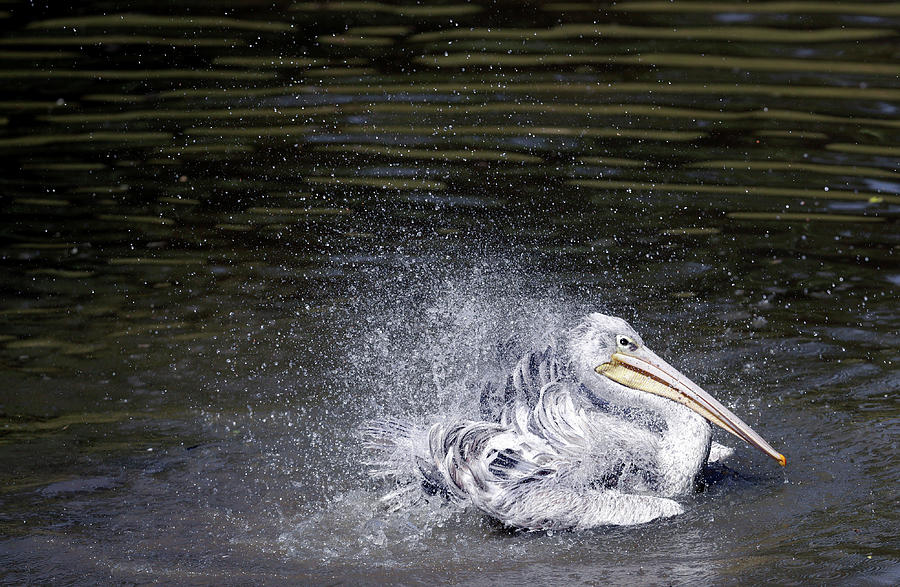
(645, 371)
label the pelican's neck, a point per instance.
(683, 446)
(684, 450)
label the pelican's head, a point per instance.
(607, 351)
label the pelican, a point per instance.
(593, 430)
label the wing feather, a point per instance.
(548, 454)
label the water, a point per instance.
(231, 235)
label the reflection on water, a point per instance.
(229, 235)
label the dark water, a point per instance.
(231, 234)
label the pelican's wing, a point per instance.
(549, 506)
(523, 383)
(521, 481)
(587, 437)
(475, 459)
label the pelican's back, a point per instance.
(523, 383)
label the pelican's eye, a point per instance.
(626, 343)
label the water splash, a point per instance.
(418, 345)
(426, 340)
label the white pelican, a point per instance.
(594, 430)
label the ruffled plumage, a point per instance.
(553, 451)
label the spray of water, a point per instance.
(427, 344)
(417, 347)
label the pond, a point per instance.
(232, 235)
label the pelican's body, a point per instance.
(593, 430)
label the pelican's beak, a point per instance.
(644, 371)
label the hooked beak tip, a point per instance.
(781, 460)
